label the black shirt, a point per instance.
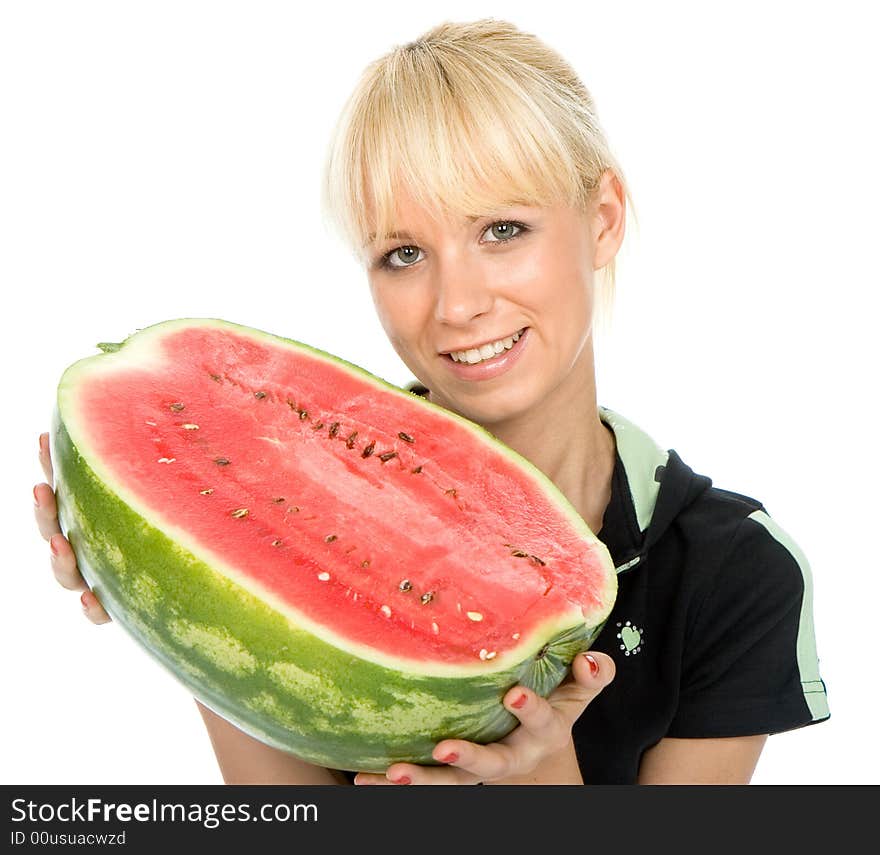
(712, 628)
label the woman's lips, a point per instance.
(489, 368)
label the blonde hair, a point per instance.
(469, 117)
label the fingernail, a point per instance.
(520, 702)
(53, 546)
(36, 498)
(594, 665)
(403, 779)
(449, 758)
(84, 601)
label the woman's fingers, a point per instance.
(408, 773)
(545, 724)
(45, 459)
(591, 672)
(62, 560)
(68, 576)
(469, 763)
(63, 563)
(45, 506)
(363, 779)
(46, 511)
(93, 610)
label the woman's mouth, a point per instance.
(487, 351)
(489, 360)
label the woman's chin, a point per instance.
(484, 406)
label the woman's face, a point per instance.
(453, 296)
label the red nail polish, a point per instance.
(449, 758)
(594, 665)
(403, 779)
(520, 702)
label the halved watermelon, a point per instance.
(337, 566)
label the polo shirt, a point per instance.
(712, 628)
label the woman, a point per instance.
(471, 177)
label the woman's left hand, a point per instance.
(544, 729)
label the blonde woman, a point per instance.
(471, 177)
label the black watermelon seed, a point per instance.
(334, 429)
(542, 652)
(330, 538)
(387, 456)
(518, 553)
(426, 597)
(216, 377)
(260, 395)
(365, 563)
(535, 560)
(406, 437)
(368, 450)
(278, 501)
(221, 461)
(349, 443)
(177, 406)
(303, 415)
(276, 543)
(417, 470)
(317, 425)
(405, 586)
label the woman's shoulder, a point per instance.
(743, 530)
(742, 545)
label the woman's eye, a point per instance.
(503, 230)
(406, 254)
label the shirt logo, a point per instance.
(631, 638)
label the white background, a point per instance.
(161, 160)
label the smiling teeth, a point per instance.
(487, 351)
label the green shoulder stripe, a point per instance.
(808, 660)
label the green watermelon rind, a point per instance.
(252, 664)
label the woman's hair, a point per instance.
(470, 117)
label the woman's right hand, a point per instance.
(62, 559)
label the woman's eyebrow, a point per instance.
(395, 235)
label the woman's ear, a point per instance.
(608, 218)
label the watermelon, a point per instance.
(338, 567)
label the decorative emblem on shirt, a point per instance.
(631, 638)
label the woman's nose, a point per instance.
(461, 294)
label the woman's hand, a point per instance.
(544, 730)
(62, 559)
